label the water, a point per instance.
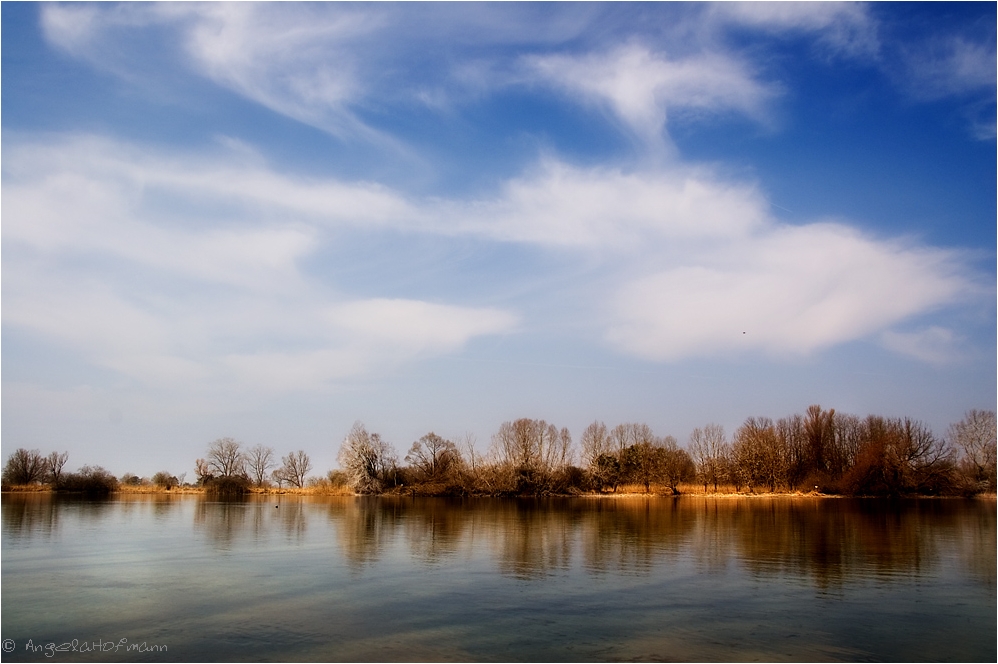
(376, 579)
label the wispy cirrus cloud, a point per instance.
(934, 344)
(954, 66)
(640, 86)
(841, 28)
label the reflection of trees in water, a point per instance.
(227, 520)
(527, 538)
(436, 528)
(291, 517)
(977, 544)
(828, 542)
(162, 505)
(832, 542)
(27, 516)
(631, 535)
(221, 521)
(824, 542)
(364, 525)
(532, 538)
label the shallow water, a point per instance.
(582, 579)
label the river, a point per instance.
(183, 578)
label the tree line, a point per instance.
(818, 450)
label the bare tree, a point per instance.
(367, 459)
(554, 447)
(758, 454)
(595, 441)
(819, 430)
(974, 436)
(530, 452)
(709, 450)
(473, 457)
(790, 431)
(225, 458)
(677, 466)
(621, 437)
(24, 467)
(280, 475)
(54, 463)
(259, 461)
(203, 471)
(433, 457)
(296, 467)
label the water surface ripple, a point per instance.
(580, 579)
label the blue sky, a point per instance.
(268, 221)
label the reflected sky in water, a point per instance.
(379, 579)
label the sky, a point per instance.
(270, 221)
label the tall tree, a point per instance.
(225, 458)
(24, 467)
(54, 464)
(709, 450)
(974, 437)
(759, 455)
(677, 466)
(819, 428)
(367, 459)
(259, 461)
(433, 457)
(295, 467)
(595, 441)
(641, 461)
(203, 471)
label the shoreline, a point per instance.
(325, 492)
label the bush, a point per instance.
(131, 479)
(165, 479)
(338, 478)
(228, 485)
(91, 480)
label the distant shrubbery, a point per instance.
(91, 480)
(228, 485)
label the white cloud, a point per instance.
(609, 209)
(175, 270)
(117, 193)
(934, 345)
(842, 27)
(171, 267)
(417, 326)
(952, 66)
(640, 86)
(789, 291)
(299, 61)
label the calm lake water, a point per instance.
(375, 579)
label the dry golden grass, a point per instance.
(27, 488)
(130, 488)
(723, 491)
(191, 490)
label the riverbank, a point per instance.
(623, 493)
